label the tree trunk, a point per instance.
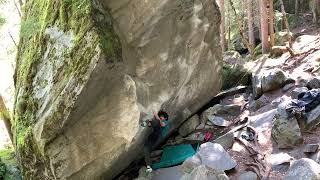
(222, 26)
(15, 4)
(250, 23)
(5, 116)
(264, 27)
(229, 29)
(241, 32)
(271, 20)
(296, 7)
(286, 24)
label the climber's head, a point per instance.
(163, 115)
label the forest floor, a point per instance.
(302, 67)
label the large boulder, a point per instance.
(303, 169)
(89, 71)
(285, 130)
(268, 80)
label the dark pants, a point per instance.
(150, 143)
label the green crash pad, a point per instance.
(173, 155)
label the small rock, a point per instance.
(156, 153)
(249, 175)
(280, 158)
(310, 148)
(201, 126)
(284, 37)
(302, 82)
(259, 103)
(286, 131)
(297, 91)
(219, 121)
(316, 157)
(168, 173)
(143, 174)
(314, 83)
(179, 137)
(303, 169)
(226, 140)
(204, 173)
(198, 136)
(288, 87)
(209, 123)
(214, 156)
(277, 51)
(313, 118)
(189, 126)
(280, 162)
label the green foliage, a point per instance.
(293, 20)
(7, 156)
(233, 76)
(2, 169)
(2, 20)
(258, 50)
(29, 28)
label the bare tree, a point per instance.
(5, 116)
(240, 26)
(15, 4)
(264, 27)
(285, 22)
(229, 28)
(271, 20)
(296, 7)
(222, 25)
(250, 23)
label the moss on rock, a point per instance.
(234, 76)
(90, 36)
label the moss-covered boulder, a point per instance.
(233, 71)
(285, 130)
(88, 71)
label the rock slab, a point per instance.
(214, 156)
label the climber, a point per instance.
(158, 124)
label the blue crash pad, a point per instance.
(173, 155)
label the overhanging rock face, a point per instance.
(87, 76)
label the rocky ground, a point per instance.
(252, 123)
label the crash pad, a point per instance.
(173, 155)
